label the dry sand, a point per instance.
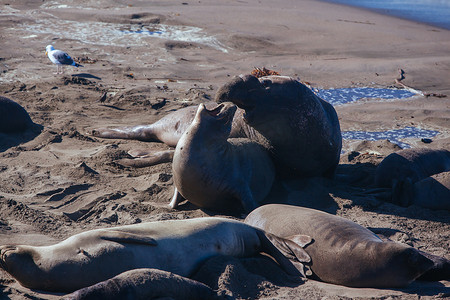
(64, 181)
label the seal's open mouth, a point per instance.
(216, 111)
(222, 112)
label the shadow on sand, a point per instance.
(86, 75)
(8, 140)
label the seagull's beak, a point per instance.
(46, 52)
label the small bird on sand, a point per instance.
(60, 58)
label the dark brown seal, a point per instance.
(432, 192)
(345, 253)
(411, 164)
(13, 117)
(145, 284)
(402, 169)
(300, 129)
(213, 171)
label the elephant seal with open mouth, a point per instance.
(214, 172)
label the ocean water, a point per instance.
(393, 135)
(342, 96)
(433, 12)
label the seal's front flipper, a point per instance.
(177, 198)
(280, 250)
(245, 195)
(402, 192)
(292, 248)
(127, 238)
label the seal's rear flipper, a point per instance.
(439, 271)
(127, 238)
(150, 159)
(288, 252)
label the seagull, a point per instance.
(60, 58)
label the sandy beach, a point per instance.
(149, 58)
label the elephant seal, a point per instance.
(14, 118)
(343, 252)
(399, 171)
(177, 246)
(145, 284)
(432, 192)
(168, 129)
(300, 129)
(214, 172)
(412, 165)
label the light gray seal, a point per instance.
(345, 253)
(300, 129)
(143, 284)
(214, 172)
(177, 246)
(167, 130)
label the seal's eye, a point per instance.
(266, 82)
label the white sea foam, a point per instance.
(106, 34)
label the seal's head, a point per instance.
(219, 119)
(262, 98)
(245, 91)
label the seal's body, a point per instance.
(145, 284)
(343, 252)
(13, 117)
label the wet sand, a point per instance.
(65, 181)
